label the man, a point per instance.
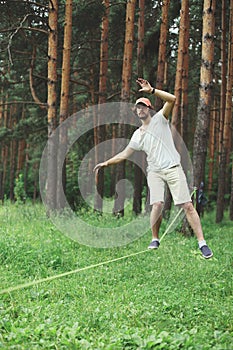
(154, 137)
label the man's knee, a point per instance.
(158, 206)
(188, 207)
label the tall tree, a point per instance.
(100, 131)
(183, 33)
(141, 36)
(64, 104)
(180, 110)
(224, 156)
(162, 50)
(231, 198)
(13, 152)
(52, 104)
(21, 149)
(104, 54)
(125, 95)
(138, 174)
(223, 74)
(212, 143)
(205, 93)
(185, 74)
(128, 51)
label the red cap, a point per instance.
(144, 101)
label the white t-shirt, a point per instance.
(157, 142)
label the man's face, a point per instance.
(143, 111)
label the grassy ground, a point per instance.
(168, 299)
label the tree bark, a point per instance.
(64, 106)
(21, 150)
(212, 144)
(183, 32)
(128, 51)
(205, 93)
(101, 130)
(223, 76)
(138, 174)
(125, 95)
(141, 35)
(13, 149)
(231, 199)
(162, 51)
(51, 185)
(185, 74)
(224, 156)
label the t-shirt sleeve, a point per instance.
(159, 117)
(134, 142)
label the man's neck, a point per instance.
(146, 121)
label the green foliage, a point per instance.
(19, 192)
(168, 299)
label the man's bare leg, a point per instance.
(155, 222)
(195, 222)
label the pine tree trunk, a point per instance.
(101, 130)
(138, 186)
(125, 94)
(4, 173)
(5, 153)
(112, 169)
(13, 149)
(231, 199)
(205, 93)
(141, 34)
(183, 32)
(162, 51)
(5, 148)
(223, 76)
(211, 147)
(222, 176)
(26, 167)
(128, 51)
(64, 106)
(21, 151)
(104, 54)
(51, 185)
(2, 148)
(185, 73)
(138, 173)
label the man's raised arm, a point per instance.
(164, 95)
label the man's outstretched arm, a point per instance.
(120, 157)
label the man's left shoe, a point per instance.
(206, 252)
(154, 245)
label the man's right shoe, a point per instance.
(154, 245)
(206, 252)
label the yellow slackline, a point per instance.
(68, 273)
(47, 279)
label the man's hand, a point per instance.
(96, 170)
(100, 165)
(145, 85)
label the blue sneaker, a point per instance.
(206, 252)
(154, 245)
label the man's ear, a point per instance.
(134, 110)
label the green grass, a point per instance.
(168, 299)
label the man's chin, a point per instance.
(143, 117)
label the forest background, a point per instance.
(61, 57)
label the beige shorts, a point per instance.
(176, 181)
